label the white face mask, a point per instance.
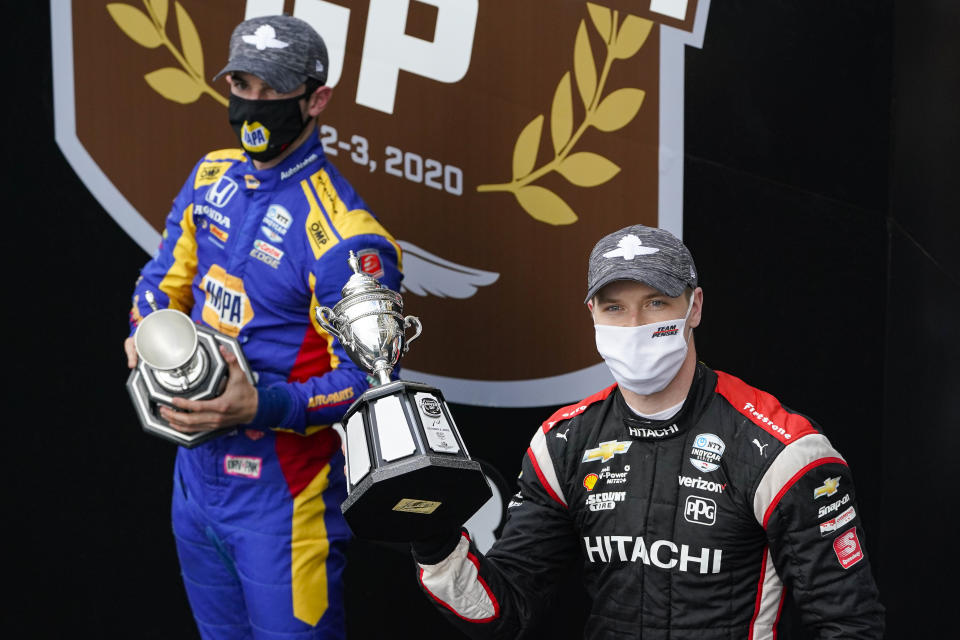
(644, 359)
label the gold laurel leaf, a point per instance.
(136, 24)
(602, 20)
(544, 205)
(525, 151)
(174, 85)
(189, 39)
(586, 169)
(584, 67)
(561, 114)
(618, 109)
(633, 33)
(160, 10)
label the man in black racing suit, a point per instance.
(694, 501)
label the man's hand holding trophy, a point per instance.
(408, 471)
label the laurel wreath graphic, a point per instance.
(610, 113)
(149, 30)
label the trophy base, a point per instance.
(416, 498)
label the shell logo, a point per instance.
(590, 481)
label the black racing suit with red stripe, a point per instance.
(694, 527)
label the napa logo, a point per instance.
(226, 306)
(254, 136)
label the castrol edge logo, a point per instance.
(485, 136)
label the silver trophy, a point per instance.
(178, 358)
(409, 475)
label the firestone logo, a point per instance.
(766, 420)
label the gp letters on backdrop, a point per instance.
(497, 139)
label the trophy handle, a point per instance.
(411, 321)
(326, 319)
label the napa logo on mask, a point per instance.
(254, 136)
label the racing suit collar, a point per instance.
(639, 428)
(303, 161)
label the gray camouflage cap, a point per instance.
(281, 50)
(649, 255)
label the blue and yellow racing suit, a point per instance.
(256, 513)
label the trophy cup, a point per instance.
(409, 475)
(178, 358)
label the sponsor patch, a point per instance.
(841, 520)
(663, 554)
(590, 481)
(254, 136)
(215, 216)
(828, 488)
(254, 434)
(370, 262)
(243, 466)
(766, 420)
(251, 182)
(833, 506)
(278, 218)
(220, 234)
(605, 451)
(605, 501)
(700, 510)
(700, 484)
(226, 307)
(847, 548)
(266, 253)
(297, 167)
(706, 453)
(220, 193)
(614, 477)
(411, 505)
(209, 172)
(272, 235)
(431, 407)
(652, 434)
(663, 332)
(328, 399)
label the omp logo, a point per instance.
(701, 484)
(226, 307)
(663, 554)
(208, 172)
(828, 488)
(700, 510)
(833, 506)
(605, 501)
(220, 193)
(254, 136)
(243, 466)
(330, 398)
(606, 451)
(766, 420)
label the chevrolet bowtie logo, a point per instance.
(606, 450)
(828, 488)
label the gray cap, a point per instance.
(649, 255)
(283, 51)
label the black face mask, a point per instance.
(266, 127)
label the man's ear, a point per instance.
(318, 101)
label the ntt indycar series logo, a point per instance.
(707, 451)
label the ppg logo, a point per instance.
(220, 193)
(700, 510)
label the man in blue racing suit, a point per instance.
(256, 239)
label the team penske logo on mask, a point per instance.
(254, 136)
(663, 554)
(226, 307)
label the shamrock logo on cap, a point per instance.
(265, 37)
(629, 247)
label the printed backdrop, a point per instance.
(496, 140)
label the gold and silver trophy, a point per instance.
(409, 475)
(177, 358)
